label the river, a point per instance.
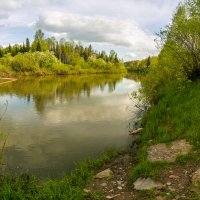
(51, 123)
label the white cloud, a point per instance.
(4, 15)
(10, 4)
(14, 4)
(99, 29)
(125, 24)
(130, 55)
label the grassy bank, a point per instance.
(175, 116)
(69, 187)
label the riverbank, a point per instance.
(12, 74)
(167, 163)
(69, 187)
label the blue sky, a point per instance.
(127, 26)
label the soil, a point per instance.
(176, 181)
(117, 185)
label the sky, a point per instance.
(127, 26)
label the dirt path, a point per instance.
(176, 180)
(116, 187)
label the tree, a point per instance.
(148, 61)
(39, 35)
(112, 56)
(39, 43)
(182, 40)
(27, 45)
(38, 46)
(179, 58)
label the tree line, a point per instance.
(141, 66)
(64, 50)
(50, 56)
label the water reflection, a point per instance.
(44, 90)
(55, 121)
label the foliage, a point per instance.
(147, 169)
(69, 187)
(182, 39)
(41, 63)
(34, 63)
(176, 114)
(48, 56)
(179, 58)
(141, 66)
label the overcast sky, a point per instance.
(127, 26)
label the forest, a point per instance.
(48, 56)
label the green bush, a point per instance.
(24, 63)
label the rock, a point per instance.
(145, 184)
(104, 184)
(119, 188)
(159, 198)
(196, 182)
(162, 152)
(171, 189)
(119, 182)
(177, 197)
(169, 183)
(86, 190)
(104, 174)
(174, 177)
(183, 196)
(112, 197)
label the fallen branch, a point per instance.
(7, 80)
(137, 131)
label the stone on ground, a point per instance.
(86, 190)
(104, 174)
(112, 196)
(146, 184)
(162, 152)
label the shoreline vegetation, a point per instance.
(70, 186)
(171, 86)
(47, 56)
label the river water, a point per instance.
(52, 123)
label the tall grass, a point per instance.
(70, 187)
(175, 116)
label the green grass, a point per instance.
(175, 116)
(70, 187)
(146, 169)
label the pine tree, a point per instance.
(148, 61)
(27, 45)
